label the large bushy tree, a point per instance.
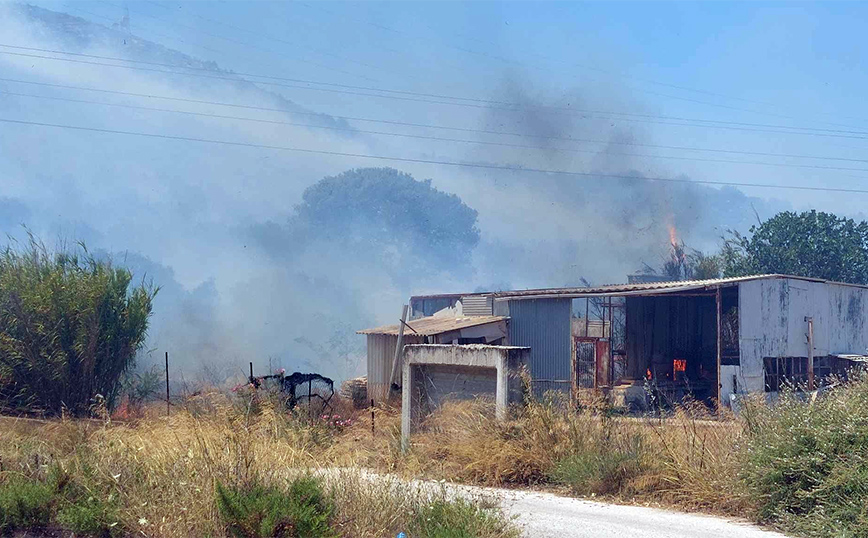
(70, 327)
(811, 244)
(380, 215)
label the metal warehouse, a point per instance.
(711, 339)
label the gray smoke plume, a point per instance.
(262, 259)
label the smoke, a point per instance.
(261, 259)
(548, 229)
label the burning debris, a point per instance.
(297, 387)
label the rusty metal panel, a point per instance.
(604, 363)
(544, 326)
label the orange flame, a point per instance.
(673, 235)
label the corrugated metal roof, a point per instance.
(649, 288)
(436, 325)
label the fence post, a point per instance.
(167, 383)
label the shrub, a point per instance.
(259, 511)
(24, 504)
(598, 470)
(70, 326)
(91, 516)
(458, 518)
(806, 463)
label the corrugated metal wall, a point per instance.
(544, 326)
(476, 305)
(381, 354)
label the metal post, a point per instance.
(718, 299)
(167, 383)
(309, 402)
(810, 321)
(251, 372)
(372, 417)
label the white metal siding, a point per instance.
(772, 322)
(476, 305)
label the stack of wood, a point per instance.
(356, 390)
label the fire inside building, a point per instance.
(712, 340)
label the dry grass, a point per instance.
(161, 472)
(689, 459)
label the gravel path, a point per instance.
(545, 515)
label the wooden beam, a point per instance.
(399, 349)
(719, 301)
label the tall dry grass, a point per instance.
(689, 458)
(158, 474)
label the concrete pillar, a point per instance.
(502, 394)
(406, 402)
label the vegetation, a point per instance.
(806, 466)
(243, 467)
(218, 467)
(380, 215)
(70, 327)
(810, 244)
(259, 511)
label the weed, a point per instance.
(457, 518)
(24, 504)
(806, 467)
(259, 511)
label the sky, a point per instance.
(579, 133)
(782, 64)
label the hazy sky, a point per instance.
(703, 93)
(774, 64)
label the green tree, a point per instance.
(70, 328)
(810, 244)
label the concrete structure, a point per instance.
(433, 373)
(382, 342)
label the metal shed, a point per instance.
(382, 341)
(722, 336)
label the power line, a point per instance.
(589, 68)
(266, 36)
(402, 124)
(252, 46)
(483, 166)
(513, 107)
(434, 138)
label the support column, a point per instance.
(719, 302)
(406, 402)
(502, 394)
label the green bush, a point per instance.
(458, 518)
(259, 511)
(806, 463)
(91, 516)
(24, 504)
(70, 327)
(600, 468)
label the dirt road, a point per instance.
(544, 515)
